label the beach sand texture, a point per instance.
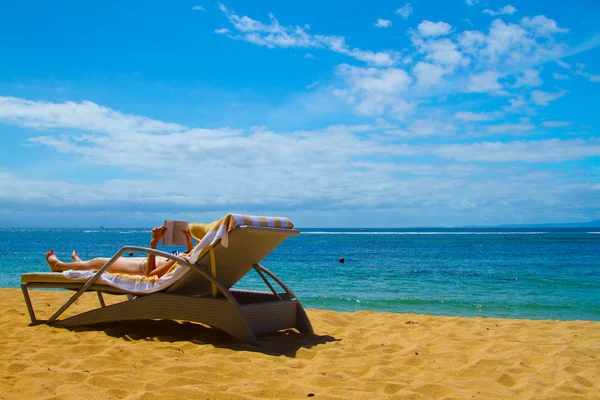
(363, 355)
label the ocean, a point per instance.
(541, 273)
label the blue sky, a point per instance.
(335, 114)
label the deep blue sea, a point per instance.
(541, 273)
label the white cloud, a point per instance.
(563, 64)
(273, 35)
(380, 59)
(510, 129)
(222, 31)
(374, 91)
(542, 98)
(560, 77)
(198, 8)
(426, 127)
(506, 42)
(445, 52)
(469, 116)
(556, 124)
(428, 74)
(140, 138)
(510, 46)
(588, 76)
(484, 82)
(375, 80)
(472, 2)
(405, 11)
(506, 10)
(542, 25)
(530, 77)
(342, 165)
(515, 105)
(85, 115)
(550, 150)
(471, 41)
(434, 67)
(230, 158)
(432, 29)
(382, 23)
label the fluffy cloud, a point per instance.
(374, 91)
(542, 25)
(473, 62)
(426, 128)
(469, 116)
(84, 115)
(530, 77)
(556, 124)
(551, 150)
(444, 52)
(587, 75)
(439, 63)
(516, 104)
(428, 74)
(198, 8)
(273, 35)
(484, 82)
(542, 98)
(405, 11)
(560, 77)
(510, 46)
(432, 29)
(345, 167)
(140, 138)
(382, 23)
(506, 10)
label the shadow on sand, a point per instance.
(282, 343)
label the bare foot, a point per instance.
(75, 256)
(52, 260)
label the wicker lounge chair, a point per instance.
(203, 294)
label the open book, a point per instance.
(174, 235)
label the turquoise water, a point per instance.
(514, 273)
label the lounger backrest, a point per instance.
(248, 245)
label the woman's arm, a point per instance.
(162, 268)
(157, 234)
(189, 246)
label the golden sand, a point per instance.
(363, 355)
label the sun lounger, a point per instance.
(202, 293)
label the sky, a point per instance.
(334, 114)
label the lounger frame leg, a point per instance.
(264, 278)
(101, 299)
(28, 303)
(302, 322)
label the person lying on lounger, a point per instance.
(146, 266)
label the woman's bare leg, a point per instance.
(75, 256)
(122, 265)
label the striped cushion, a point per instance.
(208, 234)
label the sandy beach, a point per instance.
(363, 355)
